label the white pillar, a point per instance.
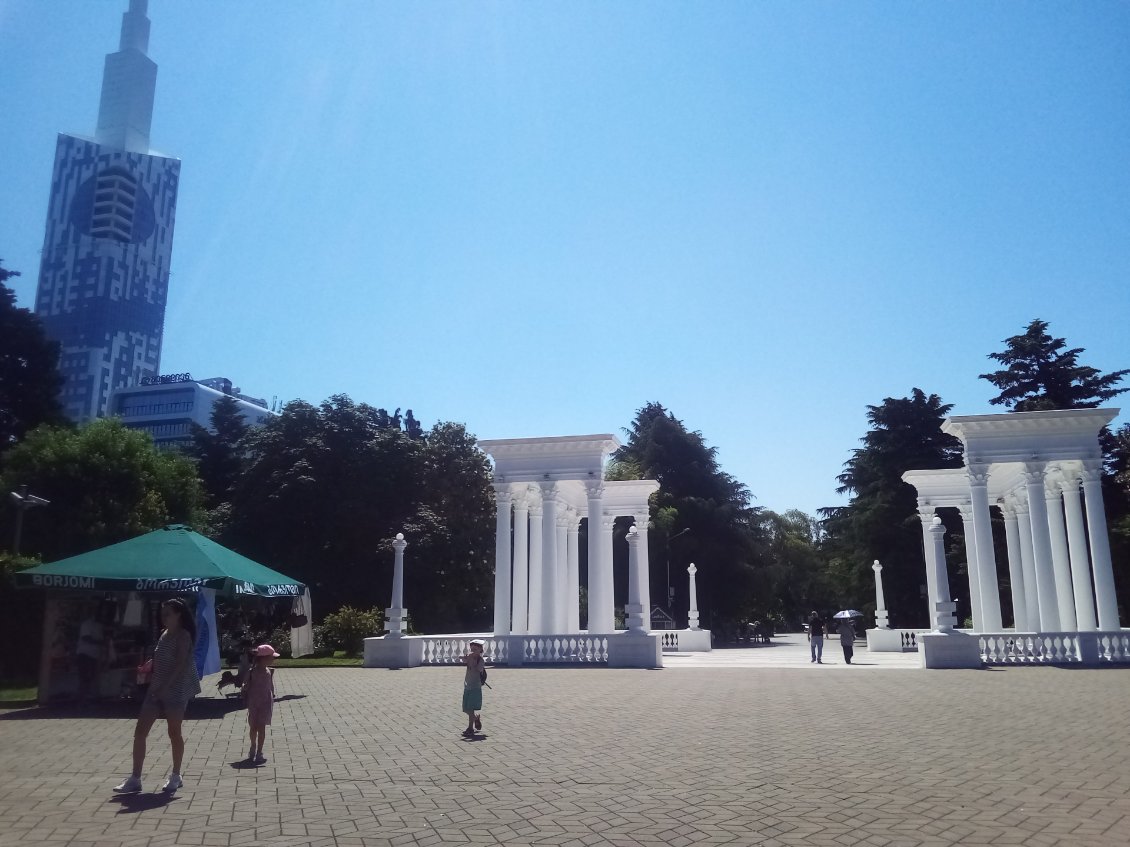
(926, 516)
(502, 499)
(636, 624)
(943, 617)
(1080, 560)
(396, 615)
(1041, 547)
(520, 595)
(1061, 558)
(598, 602)
(972, 566)
(535, 624)
(573, 574)
(1105, 598)
(549, 556)
(607, 575)
(1028, 561)
(561, 575)
(1015, 567)
(881, 621)
(692, 611)
(643, 520)
(986, 554)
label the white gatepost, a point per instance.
(692, 612)
(881, 619)
(643, 520)
(395, 649)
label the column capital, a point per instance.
(594, 489)
(607, 522)
(643, 521)
(535, 509)
(966, 510)
(1092, 471)
(1034, 472)
(926, 512)
(875, 566)
(691, 569)
(502, 493)
(978, 475)
(549, 490)
(399, 543)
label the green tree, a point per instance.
(29, 378)
(326, 488)
(880, 520)
(724, 540)
(797, 582)
(1039, 374)
(106, 483)
(217, 451)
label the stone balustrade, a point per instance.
(614, 650)
(1054, 648)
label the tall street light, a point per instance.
(23, 501)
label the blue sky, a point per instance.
(537, 217)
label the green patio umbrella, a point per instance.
(170, 559)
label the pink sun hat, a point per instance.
(266, 650)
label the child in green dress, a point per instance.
(473, 687)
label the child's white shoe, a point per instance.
(130, 785)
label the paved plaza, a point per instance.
(590, 756)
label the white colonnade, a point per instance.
(544, 488)
(1043, 471)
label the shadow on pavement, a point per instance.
(286, 697)
(134, 803)
(206, 708)
(243, 765)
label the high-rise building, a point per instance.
(104, 275)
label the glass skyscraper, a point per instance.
(104, 274)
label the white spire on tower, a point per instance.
(129, 81)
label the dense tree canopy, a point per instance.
(324, 489)
(29, 379)
(1040, 374)
(881, 519)
(106, 484)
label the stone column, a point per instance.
(520, 595)
(880, 602)
(573, 574)
(396, 615)
(973, 567)
(536, 625)
(986, 554)
(1028, 561)
(1015, 567)
(1061, 558)
(1041, 547)
(561, 582)
(692, 611)
(598, 602)
(608, 609)
(1080, 560)
(502, 500)
(1100, 546)
(943, 616)
(643, 521)
(549, 597)
(636, 624)
(926, 516)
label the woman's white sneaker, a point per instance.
(130, 785)
(172, 783)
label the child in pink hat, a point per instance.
(259, 694)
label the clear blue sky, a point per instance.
(536, 217)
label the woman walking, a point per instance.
(173, 684)
(847, 638)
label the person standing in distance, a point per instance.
(473, 686)
(816, 637)
(847, 638)
(173, 684)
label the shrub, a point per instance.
(347, 628)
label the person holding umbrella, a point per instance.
(847, 631)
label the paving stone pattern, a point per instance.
(586, 757)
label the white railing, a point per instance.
(669, 639)
(1054, 648)
(565, 649)
(893, 640)
(450, 650)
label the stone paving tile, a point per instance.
(722, 755)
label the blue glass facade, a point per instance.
(104, 275)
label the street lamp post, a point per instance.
(23, 501)
(670, 589)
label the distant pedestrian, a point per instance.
(259, 694)
(847, 639)
(816, 637)
(473, 681)
(173, 684)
